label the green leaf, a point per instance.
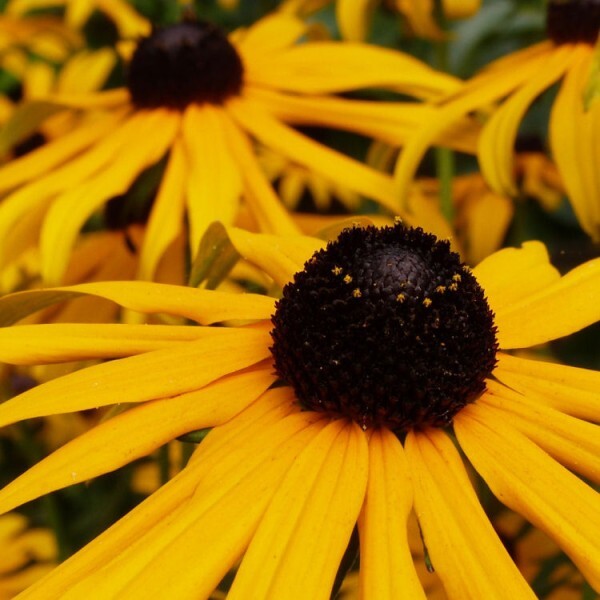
(216, 256)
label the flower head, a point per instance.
(312, 462)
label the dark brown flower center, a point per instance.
(572, 21)
(184, 63)
(386, 327)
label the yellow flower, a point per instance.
(517, 80)
(77, 12)
(357, 434)
(26, 554)
(253, 83)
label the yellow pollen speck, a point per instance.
(347, 279)
(453, 287)
(440, 289)
(312, 260)
(397, 220)
(401, 297)
(456, 277)
(427, 302)
(337, 270)
(356, 293)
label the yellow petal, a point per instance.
(203, 306)
(386, 566)
(312, 514)
(162, 373)
(574, 142)
(558, 309)
(354, 18)
(278, 256)
(129, 22)
(62, 342)
(496, 145)
(315, 156)
(215, 526)
(533, 484)
(465, 550)
(266, 207)
(571, 390)
(574, 443)
(330, 67)
(70, 210)
(169, 498)
(113, 443)
(511, 274)
(167, 216)
(214, 184)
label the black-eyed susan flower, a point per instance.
(198, 95)
(26, 554)
(77, 12)
(567, 56)
(384, 344)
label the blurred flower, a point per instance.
(26, 554)
(517, 80)
(357, 433)
(77, 12)
(250, 85)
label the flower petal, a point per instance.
(167, 215)
(354, 18)
(203, 306)
(574, 142)
(62, 342)
(162, 373)
(558, 309)
(323, 160)
(533, 484)
(154, 561)
(574, 443)
(278, 256)
(496, 145)
(570, 390)
(214, 184)
(511, 274)
(111, 445)
(312, 514)
(386, 565)
(464, 548)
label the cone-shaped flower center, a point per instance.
(184, 63)
(386, 327)
(572, 21)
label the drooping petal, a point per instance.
(278, 256)
(511, 274)
(558, 309)
(573, 442)
(216, 524)
(62, 342)
(571, 390)
(129, 22)
(311, 515)
(167, 215)
(535, 485)
(136, 433)
(266, 207)
(323, 160)
(465, 550)
(203, 306)
(70, 210)
(574, 142)
(330, 67)
(386, 566)
(496, 145)
(214, 183)
(354, 18)
(162, 373)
